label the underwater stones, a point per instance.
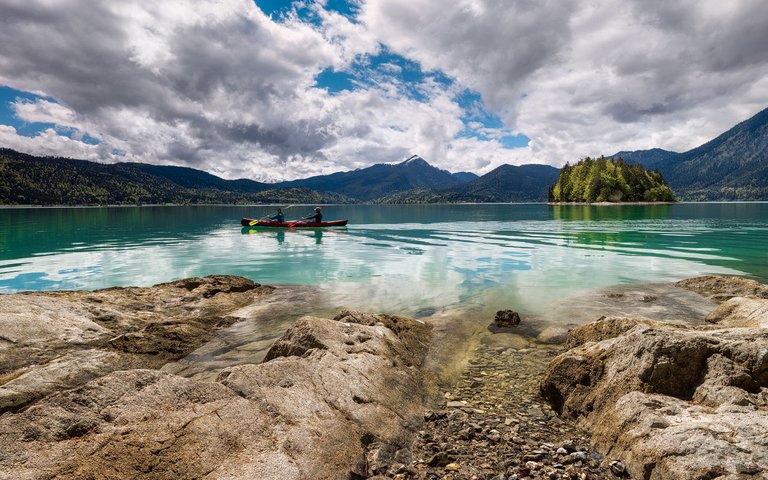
(506, 319)
(720, 288)
(492, 424)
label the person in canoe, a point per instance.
(278, 217)
(316, 216)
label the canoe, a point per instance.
(252, 222)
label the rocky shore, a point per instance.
(674, 401)
(82, 394)
(82, 401)
(53, 341)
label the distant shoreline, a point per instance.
(552, 204)
(609, 204)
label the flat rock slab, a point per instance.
(57, 340)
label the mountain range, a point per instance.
(733, 166)
(30, 180)
(507, 183)
(383, 179)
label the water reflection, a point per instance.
(398, 259)
(609, 212)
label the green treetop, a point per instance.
(603, 180)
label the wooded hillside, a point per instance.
(603, 180)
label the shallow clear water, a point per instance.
(400, 259)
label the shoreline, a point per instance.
(611, 204)
(518, 406)
(153, 205)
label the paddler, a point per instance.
(278, 216)
(316, 216)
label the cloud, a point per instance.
(168, 83)
(593, 77)
(49, 143)
(221, 86)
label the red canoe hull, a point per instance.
(247, 222)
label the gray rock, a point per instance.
(741, 312)
(617, 467)
(603, 329)
(57, 340)
(671, 402)
(316, 412)
(578, 456)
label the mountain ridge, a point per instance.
(505, 183)
(380, 179)
(731, 166)
(30, 180)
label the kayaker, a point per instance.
(279, 217)
(316, 217)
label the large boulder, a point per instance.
(670, 402)
(333, 394)
(51, 341)
(603, 329)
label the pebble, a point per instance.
(617, 467)
(503, 429)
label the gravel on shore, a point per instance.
(491, 423)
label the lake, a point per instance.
(390, 258)
(455, 265)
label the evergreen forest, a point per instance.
(604, 180)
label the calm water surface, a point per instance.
(398, 259)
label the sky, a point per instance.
(277, 90)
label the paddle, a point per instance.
(254, 222)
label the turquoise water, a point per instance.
(398, 259)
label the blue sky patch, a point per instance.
(388, 68)
(484, 125)
(276, 9)
(384, 68)
(8, 96)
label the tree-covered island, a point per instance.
(603, 180)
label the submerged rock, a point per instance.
(506, 319)
(57, 340)
(720, 288)
(334, 395)
(671, 402)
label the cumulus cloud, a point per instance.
(49, 143)
(584, 78)
(219, 85)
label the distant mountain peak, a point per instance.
(415, 160)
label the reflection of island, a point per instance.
(614, 212)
